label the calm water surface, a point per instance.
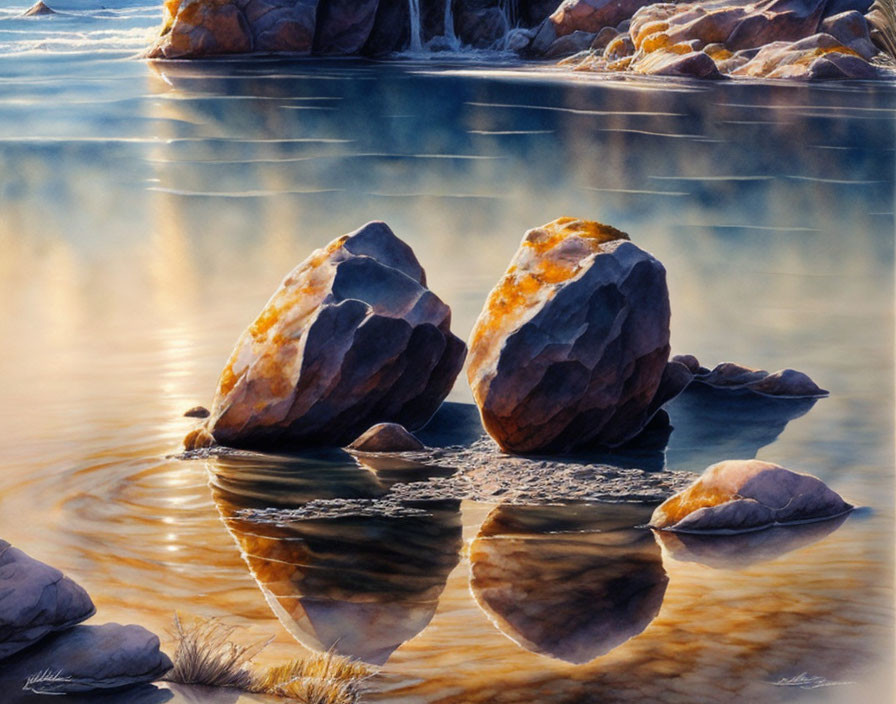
(148, 211)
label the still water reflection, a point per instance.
(147, 214)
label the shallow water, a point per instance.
(148, 211)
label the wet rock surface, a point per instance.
(746, 495)
(87, 658)
(352, 338)
(35, 600)
(782, 383)
(386, 437)
(571, 346)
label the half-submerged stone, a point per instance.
(785, 383)
(88, 658)
(386, 437)
(738, 496)
(38, 9)
(352, 338)
(571, 346)
(35, 600)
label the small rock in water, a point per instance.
(35, 599)
(351, 338)
(737, 496)
(571, 346)
(386, 437)
(88, 658)
(787, 383)
(38, 9)
(197, 412)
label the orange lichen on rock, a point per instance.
(542, 261)
(695, 497)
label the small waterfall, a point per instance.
(416, 39)
(449, 26)
(511, 10)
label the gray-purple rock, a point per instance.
(351, 338)
(851, 28)
(35, 599)
(738, 496)
(386, 437)
(785, 382)
(88, 658)
(343, 26)
(572, 344)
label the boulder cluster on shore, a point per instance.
(45, 650)
(794, 39)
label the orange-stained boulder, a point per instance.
(193, 28)
(352, 338)
(572, 343)
(738, 496)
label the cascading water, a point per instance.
(511, 10)
(416, 37)
(453, 41)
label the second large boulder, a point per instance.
(352, 338)
(570, 348)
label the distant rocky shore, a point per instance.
(792, 39)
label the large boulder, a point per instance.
(281, 25)
(353, 337)
(572, 344)
(88, 658)
(738, 496)
(35, 599)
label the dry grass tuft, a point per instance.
(205, 655)
(882, 17)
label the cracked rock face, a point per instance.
(738, 496)
(352, 338)
(35, 599)
(571, 346)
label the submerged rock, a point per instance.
(352, 338)
(38, 9)
(35, 599)
(88, 658)
(571, 346)
(386, 437)
(737, 496)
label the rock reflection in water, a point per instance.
(572, 581)
(744, 549)
(360, 585)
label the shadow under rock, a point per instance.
(570, 581)
(711, 424)
(744, 549)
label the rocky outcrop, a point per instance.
(343, 26)
(89, 658)
(386, 437)
(36, 599)
(738, 496)
(794, 39)
(195, 28)
(351, 338)
(571, 346)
